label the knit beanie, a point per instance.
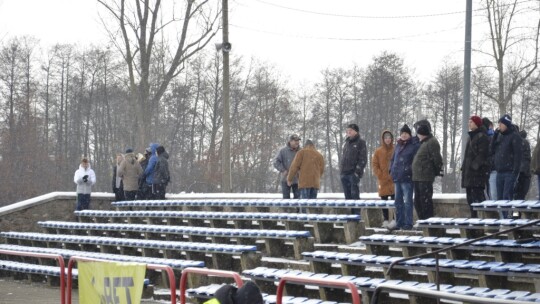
(422, 130)
(506, 120)
(405, 129)
(354, 127)
(477, 120)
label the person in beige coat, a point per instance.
(310, 165)
(380, 163)
(130, 171)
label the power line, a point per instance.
(375, 17)
(397, 38)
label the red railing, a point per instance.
(320, 282)
(213, 272)
(168, 269)
(57, 257)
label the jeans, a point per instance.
(286, 190)
(474, 195)
(505, 187)
(404, 205)
(493, 186)
(83, 201)
(423, 199)
(308, 193)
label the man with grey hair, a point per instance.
(283, 161)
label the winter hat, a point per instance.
(422, 130)
(405, 129)
(294, 137)
(248, 294)
(486, 122)
(506, 120)
(308, 142)
(354, 127)
(129, 150)
(225, 294)
(477, 120)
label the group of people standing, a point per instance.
(141, 176)
(412, 164)
(498, 164)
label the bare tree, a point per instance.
(514, 46)
(141, 26)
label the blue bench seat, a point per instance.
(34, 269)
(66, 253)
(324, 229)
(366, 285)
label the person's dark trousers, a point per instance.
(308, 193)
(287, 190)
(158, 191)
(506, 182)
(119, 194)
(385, 211)
(350, 182)
(538, 182)
(147, 191)
(83, 201)
(423, 199)
(130, 195)
(522, 186)
(474, 195)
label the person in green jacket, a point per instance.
(427, 164)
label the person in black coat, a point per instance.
(352, 163)
(524, 179)
(507, 153)
(475, 167)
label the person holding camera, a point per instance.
(427, 164)
(85, 178)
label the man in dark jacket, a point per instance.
(427, 164)
(283, 161)
(401, 172)
(507, 154)
(524, 179)
(161, 173)
(352, 163)
(475, 167)
(535, 165)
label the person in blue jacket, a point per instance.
(401, 172)
(150, 168)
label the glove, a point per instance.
(359, 173)
(85, 178)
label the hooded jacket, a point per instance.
(161, 172)
(427, 162)
(354, 158)
(130, 170)
(310, 163)
(476, 163)
(150, 168)
(84, 187)
(284, 159)
(380, 163)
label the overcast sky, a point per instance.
(299, 37)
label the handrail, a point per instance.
(57, 257)
(436, 252)
(168, 269)
(220, 273)
(439, 295)
(321, 282)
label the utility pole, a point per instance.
(226, 141)
(466, 79)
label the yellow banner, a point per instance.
(110, 282)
